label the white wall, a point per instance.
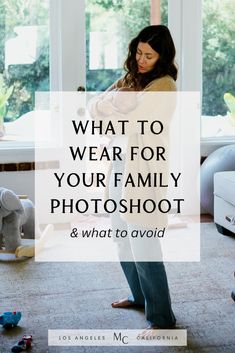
(22, 183)
(19, 182)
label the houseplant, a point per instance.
(5, 93)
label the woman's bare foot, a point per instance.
(123, 303)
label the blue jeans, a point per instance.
(147, 280)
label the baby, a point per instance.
(124, 102)
(115, 101)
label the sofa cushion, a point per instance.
(224, 186)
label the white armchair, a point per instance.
(224, 202)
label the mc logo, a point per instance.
(119, 337)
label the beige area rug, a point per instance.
(78, 296)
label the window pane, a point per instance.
(218, 54)
(110, 25)
(24, 53)
(164, 12)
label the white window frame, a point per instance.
(185, 24)
(68, 45)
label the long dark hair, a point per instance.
(160, 40)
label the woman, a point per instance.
(150, 67)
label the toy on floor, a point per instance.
(23, 344)
(10, 319)
(18, 215)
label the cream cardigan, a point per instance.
(162, 84)
(153, 107)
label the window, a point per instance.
(110, 25)
(24, 60)
(218, 54)
(218, 66)
(164, 12)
